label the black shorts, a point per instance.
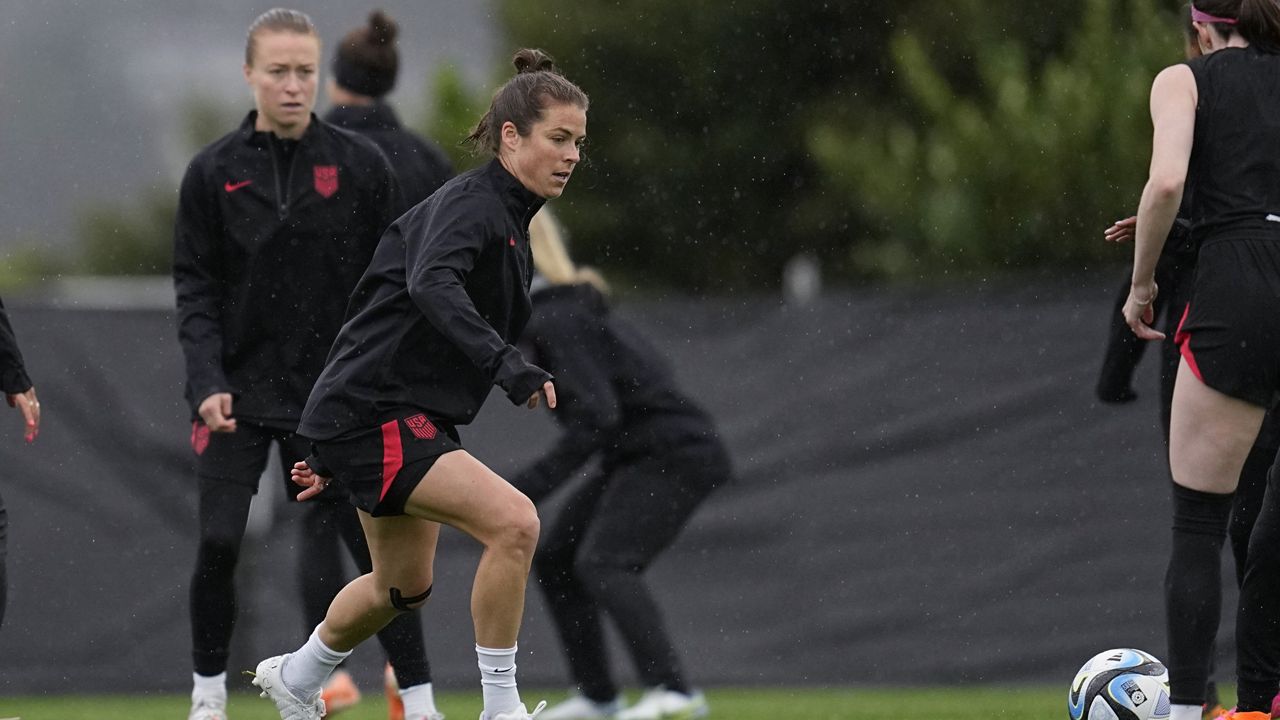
(1230, 331)
(378, 468)
(239, 457)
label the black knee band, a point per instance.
(403, 604)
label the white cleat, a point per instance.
(580, 707)
(519, 713)
(206, 709)
(663, 704)
(267, 678)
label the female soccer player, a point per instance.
(1193, 599)
(276, 222)
(1214, 129)
(429, 331)
(364, 70)
(660, 457)
(20, 393)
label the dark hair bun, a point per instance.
(530, 60)
(382, 29)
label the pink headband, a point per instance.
(1204, 17)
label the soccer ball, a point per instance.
(1122, 684)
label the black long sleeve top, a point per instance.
(271, 236)
(432, 322)
(13, 373)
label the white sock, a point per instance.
(419, 700)
(212, 687)
(1185, 712)
(306, 670)
(498, 679)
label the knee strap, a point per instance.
(405, 604)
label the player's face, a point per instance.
(544, 159)
(284, 79)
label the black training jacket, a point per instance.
(420, 166)
(13, 374)
(616, 395)
(270, 238)
(432, 322)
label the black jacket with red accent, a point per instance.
(271, 236)
(617, 398)
(432, 322)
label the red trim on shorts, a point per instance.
(1183, 340)
(392, 455)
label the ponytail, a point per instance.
(523, 98)
(1259, 23)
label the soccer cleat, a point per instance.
(662, 704)
(519, 713)
(1234, 714)
(341, 693)
(267, 678)
(391, 686)
(208, 709)
(580, 707)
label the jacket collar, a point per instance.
(252, 136)
(515, 196)
(378, 116)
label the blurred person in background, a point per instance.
(659, 458)
(429, 333)
(276, 222)
(364, 70)
(1188, 616)
(1213, 132)
(20, 393)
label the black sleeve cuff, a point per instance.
(14, 381)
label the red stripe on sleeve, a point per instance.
(392, 455)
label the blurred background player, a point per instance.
(1191, 611)
(364, 70)
(276, 222)
(659, 458)
(19, 392)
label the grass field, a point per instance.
(981, 703)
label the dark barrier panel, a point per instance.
(927, 493)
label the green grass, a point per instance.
(977, 703)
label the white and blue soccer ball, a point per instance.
(1121, 684)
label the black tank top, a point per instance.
(1235, 157)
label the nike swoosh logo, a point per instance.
(232, 187)
(503, 670)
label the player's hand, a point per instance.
(30, 407)
(215, 410)
(549, 391)
(1122, 231)
(1139, 312)
(303, 475)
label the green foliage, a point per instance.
(133, 240)
(696, 158)
(452, 114)
(1022, 168)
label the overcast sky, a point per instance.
(92, 91)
